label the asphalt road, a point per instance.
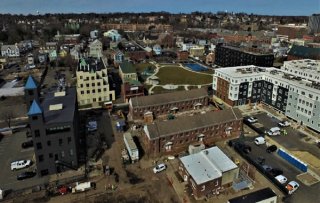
(305, 193)
(293, 140)
(10, 150)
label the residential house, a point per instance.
(95, 49)
(127, 72)
(92, 83)
(157, 49)
(54, 128)
(196, 51)
(162, 104)
(75, 52)
(210, 59)
(94, 34)
(118, 57)
(113, 34)
(172, 137)
(10, 51)
(208, 172)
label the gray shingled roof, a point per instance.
(187, 123)
(167, 98)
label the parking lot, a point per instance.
(294, 140)
(10, 150)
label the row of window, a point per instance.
(60, 143)
(56, 156)
(93, 91)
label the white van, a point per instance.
(259, 140)
(274, 131)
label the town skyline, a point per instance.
(261, 7)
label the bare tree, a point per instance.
(7, 116)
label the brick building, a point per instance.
(174, 136)
(292, 31)
(208, 172)
(161, 104)
(227, 56)
(182, 55)
(132, 88)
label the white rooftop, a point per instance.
(207, 165)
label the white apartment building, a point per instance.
(294, 89)
(92, 83)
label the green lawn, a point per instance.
(177, 76)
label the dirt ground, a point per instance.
(15, 105)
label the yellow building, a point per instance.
(196, 51)
(92, 83)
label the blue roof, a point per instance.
(31, 83)
(34, 109)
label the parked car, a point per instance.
(271, 148)
(242, 147)
(281, 179)
(259, 141)
(292, 186)
(159, 168)
(26, 175)
(16, 165)
(27, 144)
(267, 168)
(274, 131)
(251, 119)
(275, 172)
(261, 160)
(284, 124)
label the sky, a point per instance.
(267, 7)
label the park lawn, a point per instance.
(179, 76)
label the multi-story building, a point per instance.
(228, 56)
(294, 89)
(314, 23)
(197, 51)
(132, 88)
(161, 104)
(95, 49)
(292, 31)
(92, 83)
(54, 129)
(174, 136)
(208, 171)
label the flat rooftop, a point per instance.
(63, 115)
(247, 51)
(253, 197)
(207, 165)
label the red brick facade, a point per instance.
(223, 91)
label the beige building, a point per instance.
(95, 49)
(92, 83)
(196, 51)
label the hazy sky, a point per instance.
(271, 7)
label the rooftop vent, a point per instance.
(55, 107)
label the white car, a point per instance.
(252, 119)
(284, 124)
(259, 140)
(281, 179)
(292, 186)
(16, 165)
(159, 168)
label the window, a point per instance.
(71, 152)
(81, 85)
(34, 117)
(93, 91)
(60, 142)
(92, 78)
(37, 133)
(93, 84)
(40, 157)
(81, 77)
(49, 143)
(57, 129)
(87, 85)
(39, 145)
(88, 91)
(82, 92)
(50, 155)
(69, 140)
(99, 90)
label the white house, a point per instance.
(10, 51)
